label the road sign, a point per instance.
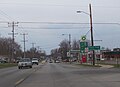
(83, 45)
(94, 48)
(68, 54)
(83, 38)
(74, 51)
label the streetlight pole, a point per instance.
(70, 47)
(69, 44)
(69, 40)
(91, 30)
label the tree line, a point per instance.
(6, 49)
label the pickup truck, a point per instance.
(35, 61)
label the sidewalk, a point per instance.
(106, 66)
(102, 65)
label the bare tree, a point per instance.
(75, 45)
(64, 48)
(6, 47)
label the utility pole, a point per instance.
(13, 24)
(91, 29)
(13, 33)
(39, 51)
(70, 41)
(70, 46)
(33, 47)
(33, 44)
(24, 40)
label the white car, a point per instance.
(25, 62)
(57, 61)
(35, 61)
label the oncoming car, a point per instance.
(25, 62)
(35, 61)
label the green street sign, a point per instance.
(82, 51)
(83, 45)
(75, 51)
(94, 48)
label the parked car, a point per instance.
(35, 61)
(25, 62)
(3, 61)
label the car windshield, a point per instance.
(34, 59)
(25, 60)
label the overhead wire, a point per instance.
(60, 5)
(60, 23)
(6, 15)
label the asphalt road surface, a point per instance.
(60, 75)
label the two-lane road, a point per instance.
(60, 75)
(11, 77)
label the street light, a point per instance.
(69, 43)
(91, 29)
(69, 39)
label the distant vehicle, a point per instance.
(35, 61)
(25, 62)
(50, 61)
(102, 59)
(57, 61)
(74, 60)
(66, 60)
(3, 61)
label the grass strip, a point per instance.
(6, 65)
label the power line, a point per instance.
(67, 22)
(60, 23)
(53, 27)
(58, 5)
(7, 16)
(30, 22)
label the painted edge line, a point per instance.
(19, 81)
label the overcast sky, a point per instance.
(48, 36)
